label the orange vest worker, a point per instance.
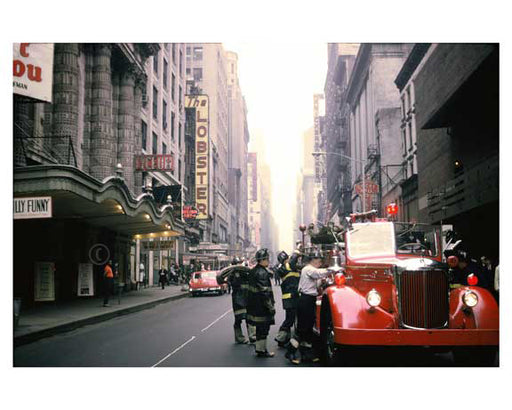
(108, 272)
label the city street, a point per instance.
(186, 332)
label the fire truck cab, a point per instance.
(394, 290)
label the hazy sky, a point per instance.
(278, 81)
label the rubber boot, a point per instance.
(251, 331)
(282, 337)
(292, 351)
(307, 352)
(239, 336)
(261, 348)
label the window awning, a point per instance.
(108, 203)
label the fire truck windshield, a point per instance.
(416, 239)
(371, 239)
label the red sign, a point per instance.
(189, 212)
(154, 162)
(370, 187)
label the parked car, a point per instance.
(394, 289)
(204, 282)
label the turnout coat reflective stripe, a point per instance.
(289, 286)
(238, 277)
(260, 303)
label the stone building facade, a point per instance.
(455, 100)
(79, 150)
(374, 124)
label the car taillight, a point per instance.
(339, 279)
(472, 279)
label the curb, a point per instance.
(66, 327)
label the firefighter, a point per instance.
(260, 304)
(306, 308)
(238, 280)
(289, 275)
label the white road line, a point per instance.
(174, 351)
(215, 321)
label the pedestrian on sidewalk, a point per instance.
(108, 283)
(260, 303)
(142, 275)
(162, 277)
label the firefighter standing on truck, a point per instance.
(290, 294)
(260, 304)
(306, 309)
(238, 280)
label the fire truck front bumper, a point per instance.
(416, 337)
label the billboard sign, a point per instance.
(33, 207)
(33, 70)
(201, 106)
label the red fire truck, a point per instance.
(394, 290)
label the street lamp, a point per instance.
(317, 153)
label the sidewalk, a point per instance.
(51, 318)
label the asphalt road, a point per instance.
(187, 332)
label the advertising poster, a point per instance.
(33, 70)
(44, 284)
(85, 280)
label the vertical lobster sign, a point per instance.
(201, 106)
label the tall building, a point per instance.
(335, 139)
(78, 157)
(238, 140)
(207, 65)
(450, 140)
(163, 135)
(254, 199)
(374, 125)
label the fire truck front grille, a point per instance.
(424, 299)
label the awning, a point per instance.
(108, 203)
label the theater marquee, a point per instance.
(200, 104)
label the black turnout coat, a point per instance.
(238, 277)
(260, 303)
(289, 285)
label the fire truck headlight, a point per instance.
(470, 298)
(373, 298)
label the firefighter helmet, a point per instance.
(262, 254)
(315, 254)
(235, 261)
(282, 256)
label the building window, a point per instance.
(179, 135)
(173, 85)
(144, 130)
(172, 125)
(166, 69)
(409, 129)
(198, 74)
(181, 63)
(155, 64)
(164, 148)
(188, 51)
(155, 144)
(174, 53)
(155, 103)
(164, 114)
(187, 72)
(179, 170)
(179, 97)
(197, 53)
(404, 141)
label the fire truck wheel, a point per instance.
(330, 352)
(475, 356)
